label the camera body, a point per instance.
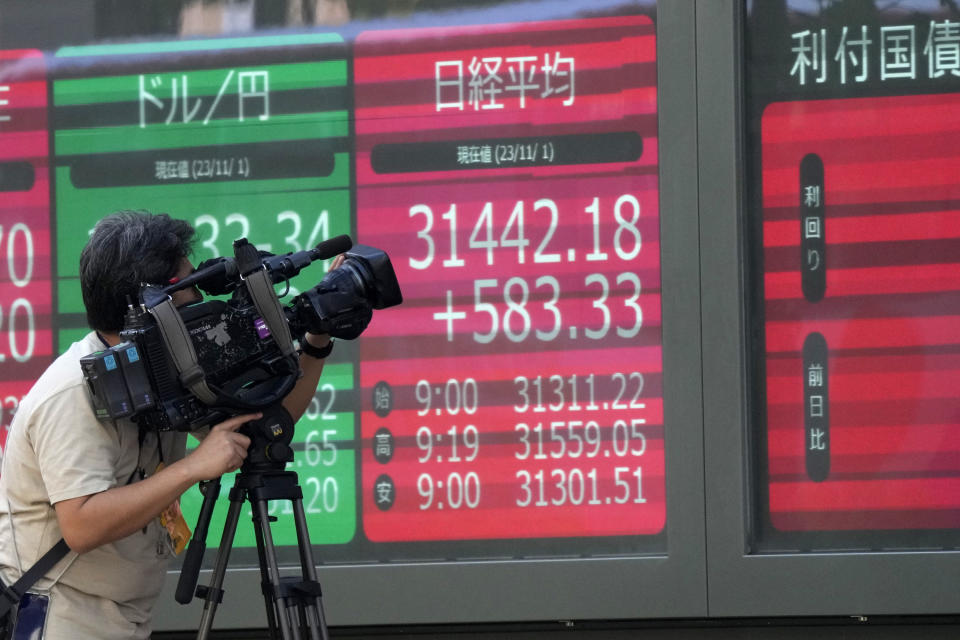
(188, 368)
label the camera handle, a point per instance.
(291, 602)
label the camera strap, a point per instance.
(177, 339)
(266, 302)
(260, 288)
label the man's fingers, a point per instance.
(234, 423)
(242, 442)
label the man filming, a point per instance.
(101, 485)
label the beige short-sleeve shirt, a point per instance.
(57, 450)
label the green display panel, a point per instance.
(242, 137)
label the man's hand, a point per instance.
(222, 451)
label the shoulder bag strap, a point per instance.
(11, 595)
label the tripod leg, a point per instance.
(292, 603)
(288, 623)
(270, 605)
(316, 621)
(215, 590)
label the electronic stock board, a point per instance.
(512, 405)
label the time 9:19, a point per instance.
(468, 439)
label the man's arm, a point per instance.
(88, 522)
(299, 398)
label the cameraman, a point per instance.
(101, 485)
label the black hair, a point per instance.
(128, 249)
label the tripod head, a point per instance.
(270, 438)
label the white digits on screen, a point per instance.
(424, 234)
(19, 231)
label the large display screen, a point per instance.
(855, 221)
(25, 280)
(517, 393)
(512, 406)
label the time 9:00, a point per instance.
(456, 395)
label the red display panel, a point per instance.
(862, 308)
(25, 290)
(510, 171)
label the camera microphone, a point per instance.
(331, 248)
(219, 276)
(290, 264)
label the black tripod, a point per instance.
(294, 604)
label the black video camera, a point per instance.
(189, 367)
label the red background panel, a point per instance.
(890, 315)
(25, 292)
(614, 92)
